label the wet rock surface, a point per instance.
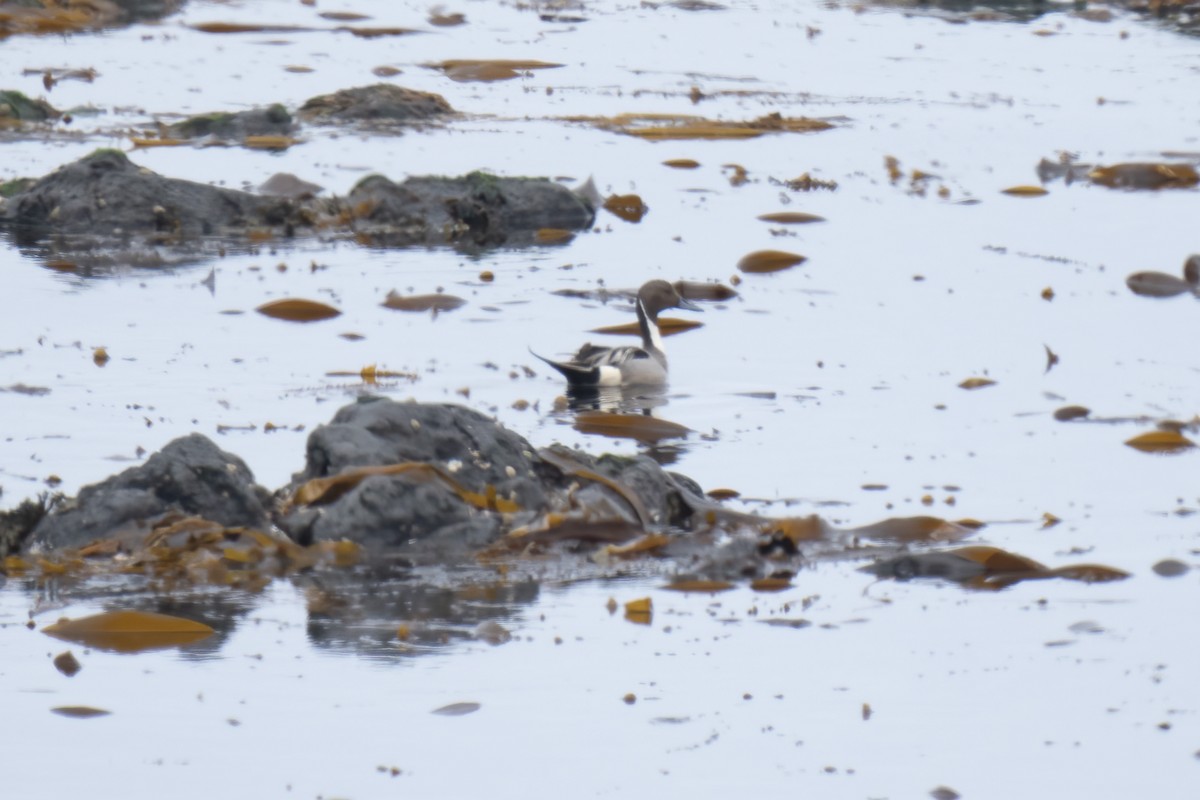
(396, 511)
(669, 500)
(470, 449)
(274, 120)
(191, 475)
(479, 208)
(475, 449)
(381, 102)
(105, 194)
(113, 204)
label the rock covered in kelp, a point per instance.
(479, 208)
(190, 475)
(15, 106)
(396, 511)
(435, 480)
(469, 451)
(375, 430)
(378, 102)
(105, 194)
(443, 478)
(668, 499)
(273, 120)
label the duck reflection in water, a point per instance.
(617, 399)
(626, 413)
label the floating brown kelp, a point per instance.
(487, 70)
(129, 631)
(298, 310)
(769, 261)
(663, 127)
(1145, 176)
(982, 567)
(422, 302)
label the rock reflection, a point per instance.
(387, 610)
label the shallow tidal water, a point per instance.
(815, 382)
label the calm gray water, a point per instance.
(814, 382)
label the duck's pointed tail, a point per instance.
(575, 374)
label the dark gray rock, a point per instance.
(190, 475)
(397, 511)
(378, 102)
(478, 208)
(668, 498)
(105, 194)
(274, 120)
(455, 504)
(474, 449)
(105, 204)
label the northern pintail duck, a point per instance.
(596, 366)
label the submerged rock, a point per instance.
(191, 475)
(478, 208)
(379, 102)
(274, 120)
(105, 194)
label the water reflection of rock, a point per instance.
(386, 609)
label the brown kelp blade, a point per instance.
(298, 310)
(629, 426)
(129, 631)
